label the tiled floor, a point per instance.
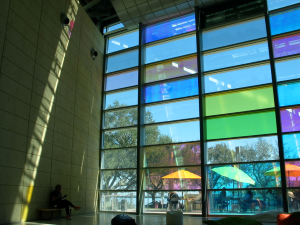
(105, 219)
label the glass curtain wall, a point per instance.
(242, 147)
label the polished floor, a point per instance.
(105, 219)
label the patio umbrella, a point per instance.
(291, 171)
(234, 173)
(182, 174)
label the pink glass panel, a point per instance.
(171, 69)
(285, 46)
(290, 119)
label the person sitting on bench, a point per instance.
(61, 201)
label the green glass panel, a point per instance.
(245, 100)
(241, 125)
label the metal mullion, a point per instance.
(287, 58)
(277, 108)
(118, 169)
(183, 77)
(118, 128)
(119, 148)
(170, 167)
(292, 160)
(171, 100)
(173, 143)
(285, 34)
(242, 137)
(291, 132)
(121, 71)
(121, 90)
(289, 106)
(289, 81)
(122, 51)
(120, 32)
(201, 88)
(170, 59)
(284, 8)
(120, 109)
(172, 122)
(240, 163)
(245, 189)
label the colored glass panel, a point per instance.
(118, 180)
(111, 159)
(284, 46)
(276, 4)
(285, 21)
(243, 150)
(238, 78)
(122, 80)
(292, 171)
(170, 28)
(123, 41)
(172, 133)
(120, 138)
(175, 68)
(172, 155)
(290, 119)
(120, 118)
(245, 100)
(291, 146)
(121, 99)
(171, 90)
(172, 111)
(179, 180)
(171, 49)
(241, 125)
(110, 201)
(233, 34)
(289, 93)
(288, 70)
(234, 57)
(122, 61)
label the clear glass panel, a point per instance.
(170, 28)
(292, 171)
(289, 93)
(244, 100)
(171, 90)
(120, 201)
(122, 61)
(119, 159)
(172, 111)
(172, 133)
(284, 46)
(241, 125)
(285, 21)
(276, 4)
(157, 201)
(235, 33)
(171, 49)
(288, 70)
(123, 41)
(121, 99)
(175, 68)
(294, 200)
(290, 119)
(120, 118)
(172, 155)
(120, 138)
(122, 80)
(238, 78)
(244, 202)
(243, 150)
(118, 180)
(115, 27)
(291, 146)
(259, 175)
(234, 57)
(175, 178)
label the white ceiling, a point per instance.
(132, 12)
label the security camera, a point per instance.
(64, 19)
(94, 54)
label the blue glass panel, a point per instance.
(171, 90)
(123, 41)
(228, 58)
(291, 146)
(121, 99)
(171, 49)
(170, 28)
(122, 80)
(233, 34)
(289, 94)
(238, 79)
(288, 70)
(276, 4)
(115, 27)
(285, 21)
(122, 61)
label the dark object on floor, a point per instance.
(288, 219)
(232, 221)
(122, 219)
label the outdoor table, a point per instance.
(235, 204)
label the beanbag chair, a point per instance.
(288, 219)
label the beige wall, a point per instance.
(50, 97)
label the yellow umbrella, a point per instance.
(182, 174)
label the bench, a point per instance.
(51, 212)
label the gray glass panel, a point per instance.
(120, 118)
(171, 49)
(233, 34)
(121, 99)
(240, 78)
(172, 111)
(234, 57)
(123, 41)
(122, 61)
(118, 180)
(116, 201)
(288, 70)
(118, 159)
